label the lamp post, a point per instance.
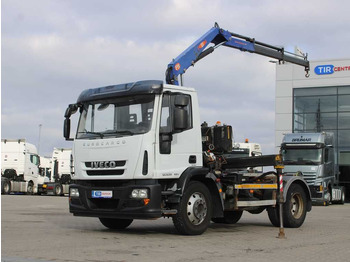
(40, 125)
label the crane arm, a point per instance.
(220, 37)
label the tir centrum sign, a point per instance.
(330, 69)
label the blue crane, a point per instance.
(220, 37)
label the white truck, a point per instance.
(248, 149)
(140, 153)
(61, 168)
(312, 155)
(20, 167)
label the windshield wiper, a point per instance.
(120, 132)
(93, 133)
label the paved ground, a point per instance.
(39, 228)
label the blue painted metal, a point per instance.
(217, 36)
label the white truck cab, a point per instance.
(20, 166)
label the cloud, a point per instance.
(52, 50)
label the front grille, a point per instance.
(309, 178)
(116, 172)
(97, 163)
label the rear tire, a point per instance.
(294, 209)
(115, 223)
(6, 187)
(194, 211)
(58, 190)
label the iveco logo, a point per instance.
(103, 164)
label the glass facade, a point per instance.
(324, 109)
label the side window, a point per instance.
(165, 117)
(35, 159)
(176, 114)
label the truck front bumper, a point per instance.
(118, 204)
(319, 197)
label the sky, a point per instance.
(51, 50)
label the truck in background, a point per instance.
(20, 167)
(61, 169)
(248, 149)
(312, 155)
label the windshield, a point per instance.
(124, 116)
(302, 156)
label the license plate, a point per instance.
(101, 194)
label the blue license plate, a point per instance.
(101, 194)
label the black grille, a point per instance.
(105, 172)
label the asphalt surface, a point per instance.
(40, 228)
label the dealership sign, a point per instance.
(330, 69)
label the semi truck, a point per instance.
(140, 152)
(20, 167)
(60, 175)
(312, 155)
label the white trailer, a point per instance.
(20, 167)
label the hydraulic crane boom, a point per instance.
(219, 37)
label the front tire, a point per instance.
(194, 211)
(115, 223)
(30, 188)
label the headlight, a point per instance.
(74, 192)
(139, 193)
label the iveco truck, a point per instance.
(140, 152)
(312, 155)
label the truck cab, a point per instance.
(20, 164)
(312, 155)
(131, 135)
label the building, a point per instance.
(320, 102)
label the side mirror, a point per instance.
(182, 100)
(180, 119)
(72, 109)
(66, 129)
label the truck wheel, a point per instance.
(30, 188)
(230, 217)
(58, 190)
(273, 213)
(115, 223)
(194, 211)
(6, 187)
(294, 209)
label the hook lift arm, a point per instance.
(219, 37)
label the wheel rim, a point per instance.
(297, 205)
(196, 208)
(6, 187)
(58, 190)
